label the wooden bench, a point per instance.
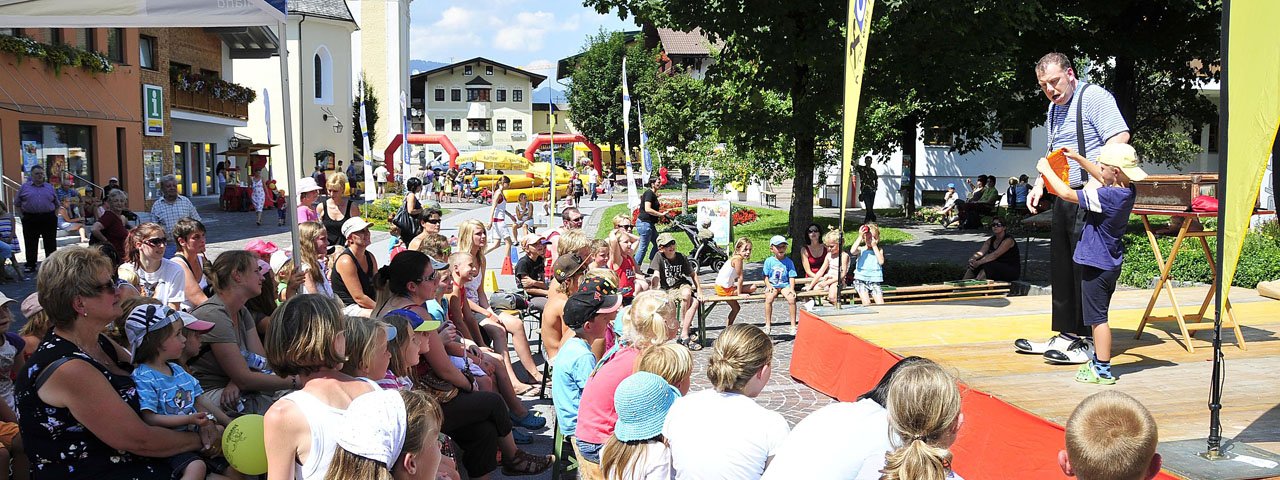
(933, 198)
(943, 292)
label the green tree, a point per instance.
(677, 117)
(595, 96)
(364, 91)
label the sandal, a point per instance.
(530, 420)
(525, 463)
(530, 391)
(689, 343)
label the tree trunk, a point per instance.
(910, 126)
(803, 118)
(1125, 90)
(684, 185)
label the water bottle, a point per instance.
(256, 362)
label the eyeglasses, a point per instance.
(433, 220)
(429, 278)
(157, 241)
(104, 288)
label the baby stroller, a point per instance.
(705, 252)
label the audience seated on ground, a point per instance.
(723, 433)
(924, 418)
(646, 325)
(837, 440)
(1110, 436)
(673, 274)
(998, 258)
(588, 313)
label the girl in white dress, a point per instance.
(259, 195)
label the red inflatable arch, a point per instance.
(543, 139)
(420, 139)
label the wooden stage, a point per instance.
(975, 337)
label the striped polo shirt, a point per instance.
(1102, 121)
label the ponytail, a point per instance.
(737, 355)
(924, 406)
(917, 460)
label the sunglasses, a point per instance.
(814, 230)
(104, 288)
(433, 221)
(157, 241)
(628, 227)
(997, 225)
(574, 220)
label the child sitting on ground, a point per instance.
(826, 278)
(869, 271)
(729, 279)
(673, 274)
(1107, 200)
(167, 394)
(780, 279)
(1110, 436)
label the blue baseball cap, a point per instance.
(642, 401)
(416, 322)
(951, 185)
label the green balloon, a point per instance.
(243, 445)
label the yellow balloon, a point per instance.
(242, 444)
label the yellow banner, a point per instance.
(1253, 115)
(858, 28)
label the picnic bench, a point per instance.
(942, 292)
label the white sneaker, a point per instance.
(1079, 351)
(809, 305)
(1057, 342)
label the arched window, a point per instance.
(322, 64)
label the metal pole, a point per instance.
(1214, 447)
(288, 137)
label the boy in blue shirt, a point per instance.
(588, 313)
(780, 279)
(1108, 199)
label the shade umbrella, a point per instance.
(496, 159)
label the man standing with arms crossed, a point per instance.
(1081, 117)
(170, 208)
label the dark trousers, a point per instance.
(475, 421)
(868, 204)
(999, 271)
(1064, 274)
(35, 226)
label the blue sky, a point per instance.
(522, 33)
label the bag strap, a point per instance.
(1080, 125)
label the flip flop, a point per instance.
(530, 391)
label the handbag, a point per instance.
(409, 226)
(1204, 203)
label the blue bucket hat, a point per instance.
(642, 401)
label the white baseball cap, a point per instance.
(374, 426)
(353, 225)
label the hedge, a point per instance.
(1259, 260)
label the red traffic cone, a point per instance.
(507, 268)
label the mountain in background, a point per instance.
(419, 66)
(542, 95)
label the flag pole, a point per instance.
(857, 29)
(288, 139)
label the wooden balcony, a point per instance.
(206, 103)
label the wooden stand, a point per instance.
(1164, 284)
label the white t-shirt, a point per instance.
(835, 442)
(381, 174)
(167, 284)
(655, 464)
(717, 435)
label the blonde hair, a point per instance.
(337, 181)
(466, 234)
(572, 241)
(671, 361)
(875, 229)
(69, 273)
(399, 365)
(924, 405)
(621, 217)
(1111, 435)
(308, 232)
(603, 274)
(652, 312)
(300, 337)
(423, 418)
(737, 355)
(363, 335)
(832, 236)
(435, 246)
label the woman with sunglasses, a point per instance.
(337, 208)
(190, 235)
(998, 259)
(79, 411)
(430, 218)
(814, 252)
(158, 277)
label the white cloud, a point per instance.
(526, 32)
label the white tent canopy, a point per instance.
(165, 13)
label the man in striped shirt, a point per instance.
(1083, 118)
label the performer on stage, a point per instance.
(1084, 117)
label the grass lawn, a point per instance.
(770, 222)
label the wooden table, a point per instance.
(1164, 284)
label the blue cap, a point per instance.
(951, 185)
(416, 322)
(642, 401)
(777, 240)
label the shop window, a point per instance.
(152, 170)
(60, 148)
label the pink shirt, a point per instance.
(596, 415)
(306, 214)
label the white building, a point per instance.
(380, 49)
(318, 39)
(479, 104)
